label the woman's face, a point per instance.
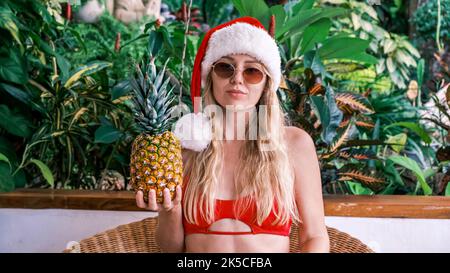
(236, 90)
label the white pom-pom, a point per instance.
(194, 131)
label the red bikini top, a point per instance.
(225, 209)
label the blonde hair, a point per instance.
(263, 175)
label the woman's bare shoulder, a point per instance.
(297, 137)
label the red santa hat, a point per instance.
(245, 35)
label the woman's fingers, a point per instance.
(167, 203)
(178, 194)
(152, 205)
(140, 200)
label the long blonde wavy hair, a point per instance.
(264, 175)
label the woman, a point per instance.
(251, 190)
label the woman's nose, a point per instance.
(237, 77)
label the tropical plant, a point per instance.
(53, 112)
(425, 20)
(396, 55)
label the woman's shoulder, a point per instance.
(297, 138)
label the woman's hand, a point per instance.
(167, 205)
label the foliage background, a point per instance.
(356, 79)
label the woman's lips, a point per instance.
(236, 93)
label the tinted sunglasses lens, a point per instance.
(253, 75)
(224, 70)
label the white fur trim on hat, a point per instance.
(193, 131)
(243, 38)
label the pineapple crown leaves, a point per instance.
(152, 98)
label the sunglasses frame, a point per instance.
(235, 69)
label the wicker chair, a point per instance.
(140, 237)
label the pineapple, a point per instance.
(155, 161)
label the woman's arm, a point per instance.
(170, 233)
(308, 191)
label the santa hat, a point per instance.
(245, 35)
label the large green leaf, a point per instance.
(16, 93)
(5, 159)
(13, 67)
(312, 60)
(315, 33)
(14, 122)
(253, 8)
(412, 165)
(342, 48)
(447, 190)
(84, 71)
(280, 17)
(364, 58)
(107, 134)
(305, 18)
(328, 113)
(6, 180)
(413, 127)
(120, 89)
(45, 170)
(155, 42)
(7, 22)
(303, 5)
(64, 66)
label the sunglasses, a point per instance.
(251, 75)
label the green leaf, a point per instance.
(155, 42)
(429, 172)
(303, 5)
(253, 8)
(342, 48)
(7, 22)
(14, 122)
(107, 134)
(328, 113)
(305, 18)
(358, 189)
(420, 72)
(4, 158)
(280, 17)
(13, 67)
(412, 165)
(447, 190)
(45, 170)
(413, 127)
(315, 33)
(120, 89)
(397, 142)
(6, 180)
(364, 58)
(64, 66)
(16, 93)
(84, 71)
(312, 60)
